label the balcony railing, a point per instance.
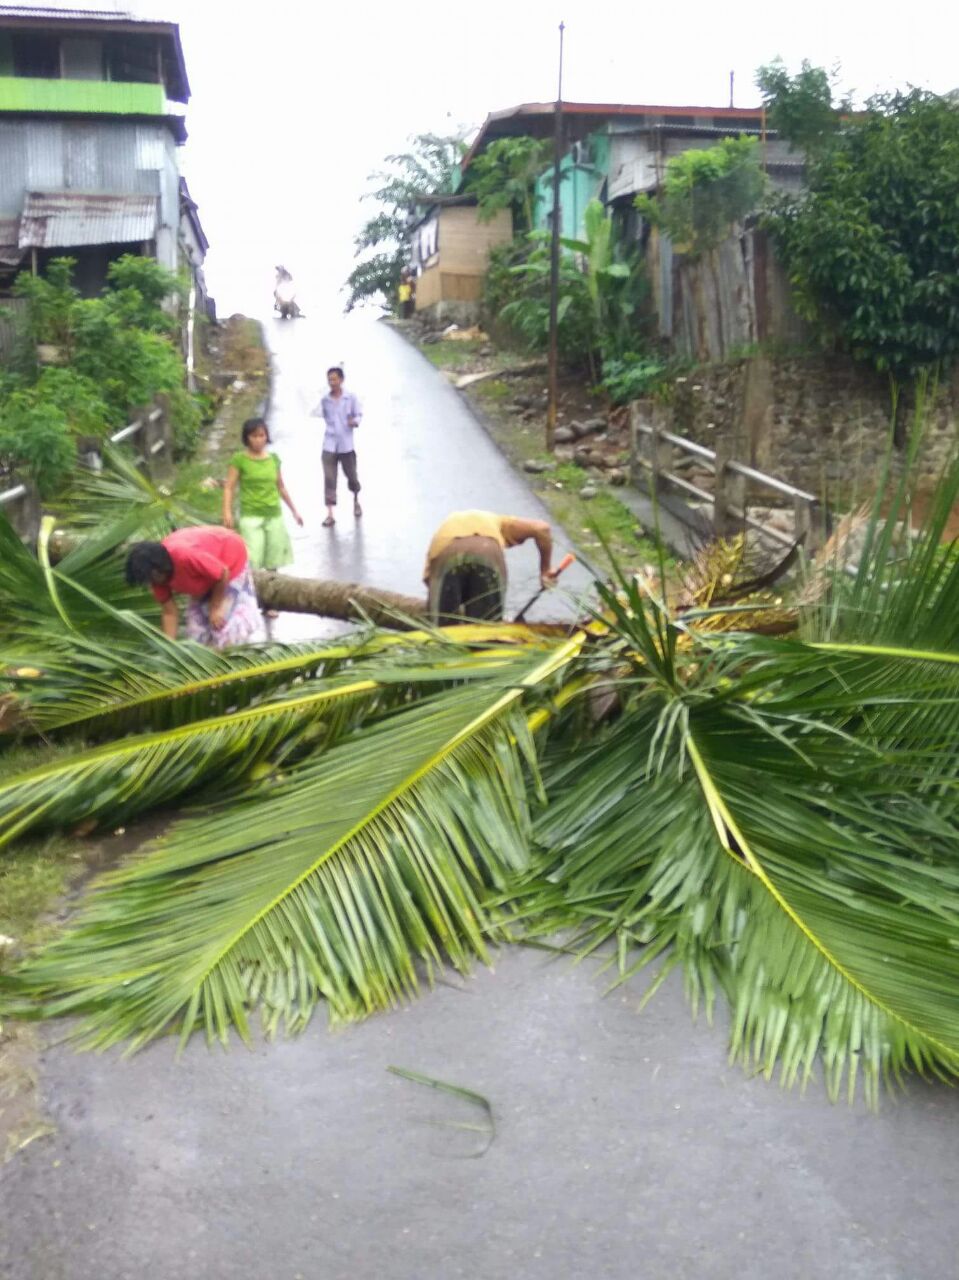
(83, 97)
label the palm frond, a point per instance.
(120, 501)
(38, 601)
(134, 774)
(335, 887)
(779, 823)
(97, 688)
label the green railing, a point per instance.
(101, 97)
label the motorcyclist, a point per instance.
(284, 294)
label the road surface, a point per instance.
(625, 1146)
(421, 455)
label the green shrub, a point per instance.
(517, 295)
(705, 193)
(35, 438)
(631, 377)
(872, 244)
(119, 351)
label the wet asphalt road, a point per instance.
(624, 1145)
(421, 454)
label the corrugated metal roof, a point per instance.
(10, 251)
(62, 11)
(537, 119)
(60, 219)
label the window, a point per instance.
(132, 59)
(35, 55)
(82, 58)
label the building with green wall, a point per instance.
(583, 174)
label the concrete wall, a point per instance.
(465, 242)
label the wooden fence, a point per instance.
(737, 490)
(149, 435)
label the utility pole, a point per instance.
(554, 259)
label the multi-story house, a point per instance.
(91, 116)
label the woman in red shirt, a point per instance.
(211, 566)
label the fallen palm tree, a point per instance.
(775, 814)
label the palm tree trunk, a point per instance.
(345, 600)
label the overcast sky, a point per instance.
(294, 102)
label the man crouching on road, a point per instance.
(465, 569)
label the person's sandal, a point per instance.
(328, 522)
(357, 510)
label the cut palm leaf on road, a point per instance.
(488, 1128)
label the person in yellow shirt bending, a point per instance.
(465, 571)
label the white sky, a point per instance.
(295, 102)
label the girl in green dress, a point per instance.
(257, 474)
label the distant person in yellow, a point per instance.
(465, 571)
(404, 294)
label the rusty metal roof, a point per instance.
(61, 219)
(537, 119)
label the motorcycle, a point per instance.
(284, 300)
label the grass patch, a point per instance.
(596, 520)
(495, 390)
(447, 355)
(34, 874)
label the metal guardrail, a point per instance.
(730, 496)
(18, 491)
(151, 436)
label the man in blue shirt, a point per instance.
(341, 412)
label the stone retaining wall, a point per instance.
(820, 422)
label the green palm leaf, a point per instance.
(134, 774)
(120, 501)
(99, 688)
(37, 601)
(776, 818)
(336, 886)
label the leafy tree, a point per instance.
(872, 245)
(800, 108)
(428, 168)
(705, 193)
(139, 291)
(35, 437)
(504, 177)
